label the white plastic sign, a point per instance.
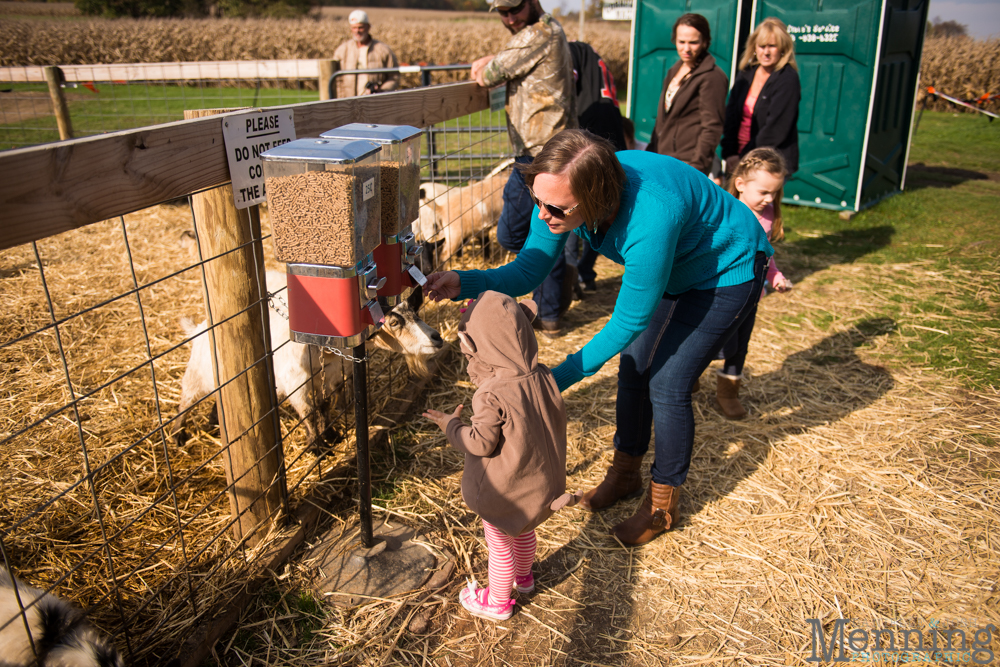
(247, 136)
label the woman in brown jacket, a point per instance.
(693, 102)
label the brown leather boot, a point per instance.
(727, 394)
(623, 480)
(656, 514)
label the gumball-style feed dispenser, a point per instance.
(324, 205)
(400, 190)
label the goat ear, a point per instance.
(466, 341)
(530, 309)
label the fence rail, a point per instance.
(184, 71)
(66, 185)
(101, 506)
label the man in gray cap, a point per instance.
(364, 52)
(537, 67)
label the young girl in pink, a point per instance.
(757, 181)
(515, 449)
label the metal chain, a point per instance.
(337, 352)
(276, 300)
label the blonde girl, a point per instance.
(757, 181)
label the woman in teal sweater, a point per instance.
(694, 261)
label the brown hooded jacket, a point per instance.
(515, 450)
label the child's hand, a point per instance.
(442, 419)
(781, 283)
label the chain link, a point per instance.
(337, 352)
(278, 304)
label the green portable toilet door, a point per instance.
(652, 52)
(836, 46)
(895, 94)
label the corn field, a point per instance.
(43, 42)
(962, 67)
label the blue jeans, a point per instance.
(658, 370)
(582, 256)
(735, 349)
(512, 231)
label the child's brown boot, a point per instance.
(727, 394)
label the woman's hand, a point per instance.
(442, 419)
(443, 285)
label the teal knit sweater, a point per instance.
(675, 231)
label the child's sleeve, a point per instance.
(480, 439)
(773, 271)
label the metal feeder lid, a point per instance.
(384, 134)
(342, 151)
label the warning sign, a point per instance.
(247, 136)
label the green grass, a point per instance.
(938, 243)
(126, 106)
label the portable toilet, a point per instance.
(652, 53)
(859, 65)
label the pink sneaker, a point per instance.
(477, 601)
(525, 584)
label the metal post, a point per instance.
(361, 441)
(431, 151)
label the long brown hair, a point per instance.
(596, 177)
(762, 159)
(770, 27)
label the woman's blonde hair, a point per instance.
(596, 177)
(771, 27)
(762, 159)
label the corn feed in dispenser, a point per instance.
(400, 190)
(323, 198)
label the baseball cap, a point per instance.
(504, 4)
(358, 16)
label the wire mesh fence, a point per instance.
(106, 502)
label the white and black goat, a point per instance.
(61, 635)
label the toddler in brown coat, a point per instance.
(515, 449)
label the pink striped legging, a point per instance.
(509, 556)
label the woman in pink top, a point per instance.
(763, 106)
(757, 181)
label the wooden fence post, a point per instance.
(234, 276)
(326, 70)
(54, 77)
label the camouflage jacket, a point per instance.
(538, 68)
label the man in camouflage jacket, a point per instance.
(537, 67)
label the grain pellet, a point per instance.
(400, 186)
(312, 218)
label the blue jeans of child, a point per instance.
(658, 370)
(512, 231)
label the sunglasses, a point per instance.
(513, 10)
(554, 211)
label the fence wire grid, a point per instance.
(102, 505)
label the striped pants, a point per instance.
(509, 556)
